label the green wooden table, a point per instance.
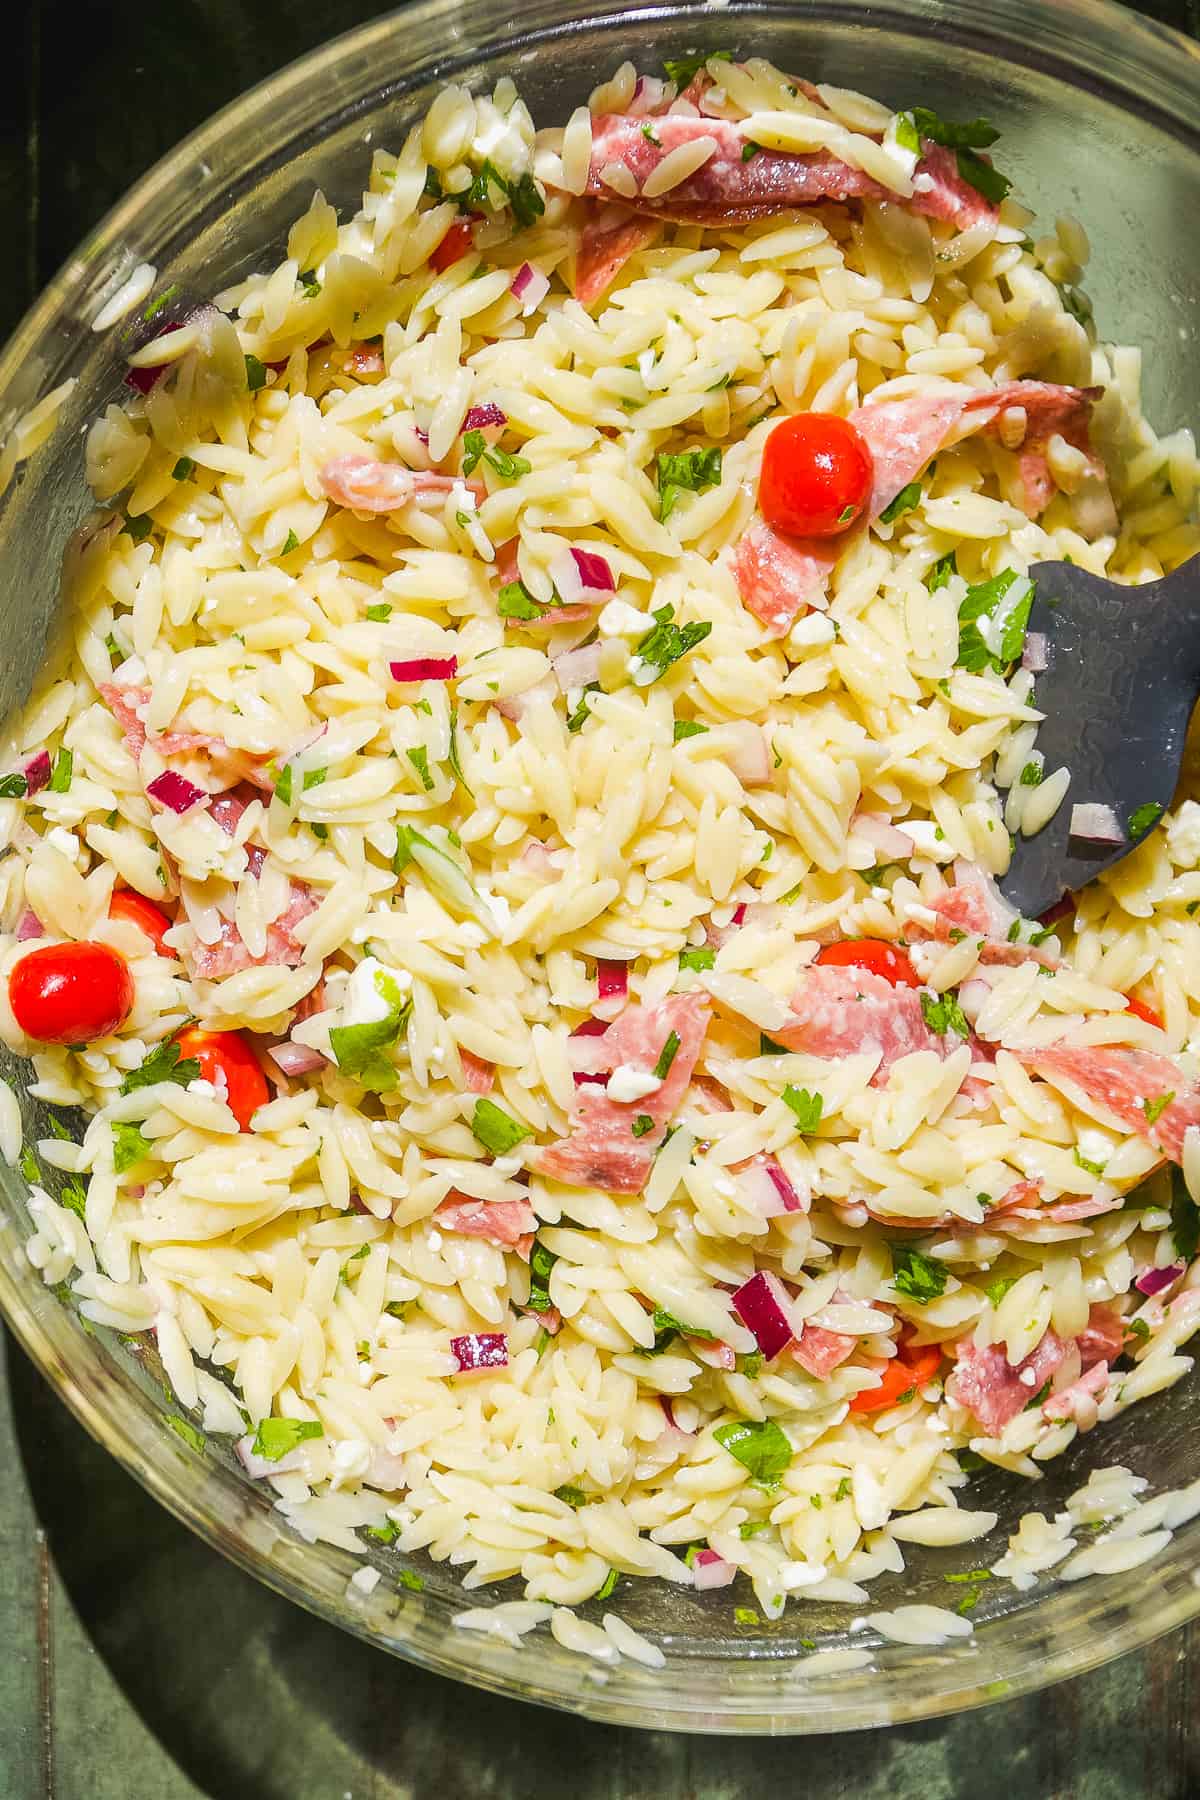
(134, 1662)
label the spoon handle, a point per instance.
(1176, 600)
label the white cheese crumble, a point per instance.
(619, 619)
(626, 1083)
(362, 1002)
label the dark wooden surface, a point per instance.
(134, 1663)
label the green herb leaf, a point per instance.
(745, 1615)
(184, 469)
(666, 1056)
(1137, 1328)
(665, 1322)
(514, 601)
(408, 1578)
(1083, 1162)
(917, 1277)
(291, 542)
(541, 1261)
(667, 643)
(750, 1364)
(74, 1198)
(752, 1528)
(1032, 1404)
(608, 1584)
(641, 1125)
(942, 570)
(256, 374)
(842, 1491)
(277, 1438)
(969, 1461)
(686, 471)
(681, 69)
(157, 304)
(942, 1013)
(419, 758)
(61, 771)
(699, 959)
(576, 719)
(130, 1146)
(806, 1107)
(980, 175)
(996, 1290)
(478, 449)
(183, 1428)
(1154, 1109)
(139, 527)
(525, 198)
(987, 601)
(574, 1497)
(383, 1534)
(359, 1049)
(906, 134)
(1032, 775)
(975, 134)
(379, 614)
(760, 1445)
(162, 1064)
(848, 511)
(497, 1130)
(308, 281)
(283, 785)
(905, 501)
(768, 1047)
(29, 1167)
(687, 728)
(750, 151)
(13, 787)
(1144, 817)
(648, 134)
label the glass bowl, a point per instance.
(1101, 117)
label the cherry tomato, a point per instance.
(1142, 1011)
(137, 910)
(71, 993)
(454, 245)
(909, 1368)
(227, 1053)
(874, 955)
(816, 476)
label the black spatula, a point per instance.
(1122, 676)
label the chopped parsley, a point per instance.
(291, 542)
(666, 1057)
(162, 1064)
(1137, 1328)
(641, 1125)
(969, 1461)
(359, 1049)
(687, 728)
(996, 1290)
(408, 1578)
(1032, 1404)
(917, 1277)
(277, 1438)
(184, 469)
(805, 1107)
(745, 1615)
(750, 151)
(1154, 1109)
(847, 512)
(514, 601)
(130, 1146)
(13, 787)
(497, 1130)
(478, 449)
(699, 959)
(256, 374)
(1031, 775)
(525, 198)
(139, 527)
(576, 719)
(648, 134)
(572, 1496)
(668, 643)
(940, 574)
(966, 140)
(750, 1365)
(685, 472)
(681, 69)
(752, 1528)
(842, 1491)
(992, 619)
(1085, 1163)
(905, 500)
(383, 1534)
(61, 771)
(608, 1584)
(942, 1013)
(760, 1445)
(768, 1047)
(1144, 817)
(1077, 304)
(308, 281)
(906, 134)
(380, 613)
(419, 758)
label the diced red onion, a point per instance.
(296, 1059)
(590, 1028)
(647, 94)
(387, 1471)
(1095, 823)
(882, 836)
(612, 979)
(759, 1191)
(576, 668)
(582, 577)
(783, 1187)
(176, 792)
(739, 914)
(1062, 909)
(37, 772)
(711, 1571)
(256, 856)
(530, 287)
(748, 756)
(425, 668)
(142, 380)
(1153, 1281)
(29, 926)
(421, 435)
(762, 1305)
(480, 1350)
(1034, 655)
(480, 417)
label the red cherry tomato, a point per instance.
(873, 955)
(454, 245)
(227, 1053)
(909, 1368)
(1141, 1011)
(137, 910)
(816, 476)
(71, 993)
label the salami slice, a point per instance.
(480, 1076)
(602, 1149)
(505, 1223)
(820, 1352)
(229, 955)
(1136, 1091)
(1102, 1337)
(850, 1012)
(604, 249)
(990, 1387)
(779, 577)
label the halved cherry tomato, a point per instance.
(874, 955)
(1141, 1011)
(454, 245)
(909, 1368)
(71, 993)
(137, 910)
(226, 1053)
(817, 473)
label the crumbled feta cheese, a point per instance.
(1183, 836)
(362, 1002)
(351, 1458)
(365, 1580)
(619, 619)
(204, 1089)
(812, 631)
(924, 834)
(627, 1083)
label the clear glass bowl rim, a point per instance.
(1134, 62)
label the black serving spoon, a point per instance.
(1122, 676)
